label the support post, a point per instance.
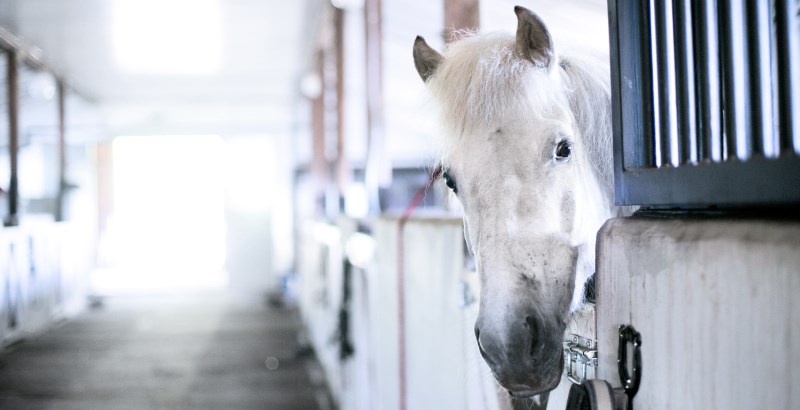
(319, 166)
(460, 15)
(12, 219)
(375, 166)
(62, 152)
(340, 164)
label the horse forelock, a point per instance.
(482, 83)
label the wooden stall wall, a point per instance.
(716, 304)
(440, 365)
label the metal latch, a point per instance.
(580, 352)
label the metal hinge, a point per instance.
(580, 352)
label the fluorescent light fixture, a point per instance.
(167, 37)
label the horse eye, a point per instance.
(563, 150)
(450, 182)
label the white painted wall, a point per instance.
(43, 276)
(258, 212)
(319, 266)
(716, 303)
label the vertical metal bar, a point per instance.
(648, 152)
(617, 90)
(12, 218)
(684, 74)
(788, 59)
(754, 69)
(662, 26)
(726, 42)
(773, 90)
(707, 67)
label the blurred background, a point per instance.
(201, 133)
(164, 160)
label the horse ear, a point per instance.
(533, 40)
(426, 59)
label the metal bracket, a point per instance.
(579, 351)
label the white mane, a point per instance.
(481, 82)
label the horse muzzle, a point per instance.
(525, 358)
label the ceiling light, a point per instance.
(167, 37)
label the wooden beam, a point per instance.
(460, 15)
(12, 76)
(374, 86)
(318, 162)
(62, 152)
(341, 166)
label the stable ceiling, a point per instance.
(166, 66)
(233, 66)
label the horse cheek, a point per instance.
(563, 274)
(568, 212)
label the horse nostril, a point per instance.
(480, 347)
(532, 331)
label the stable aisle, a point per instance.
(165, 352)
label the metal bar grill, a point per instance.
(719, 89)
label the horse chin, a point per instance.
(524, 392)
(538, 383)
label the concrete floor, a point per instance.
(188, 352)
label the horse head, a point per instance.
(524, 154)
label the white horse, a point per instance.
(528, 154)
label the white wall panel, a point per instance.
(716, 304)
(43, 276)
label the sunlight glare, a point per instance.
(169, 212)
